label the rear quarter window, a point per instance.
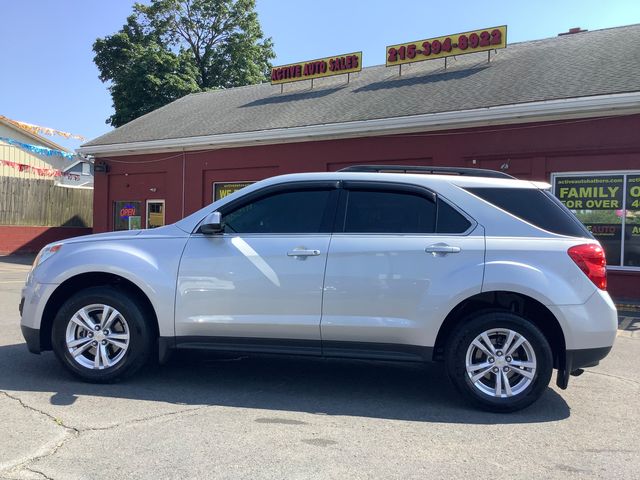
(449, 220)
(536, 207)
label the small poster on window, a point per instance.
(222, 189)
(134, 223)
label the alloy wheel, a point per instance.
(97, 337)
(501, 363)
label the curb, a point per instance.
(631, 307)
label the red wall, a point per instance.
(532, 151)
(17, 239)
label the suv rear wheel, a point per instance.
(100, 335)
(499, 361)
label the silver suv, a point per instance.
(490, 275)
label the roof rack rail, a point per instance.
(471, 172)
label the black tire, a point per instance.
(141, 334)
(459, 346)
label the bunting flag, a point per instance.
(36, 129)
(37, 149)
(42, 172)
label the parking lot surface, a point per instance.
(206, 416)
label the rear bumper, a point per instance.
(590, 325)
(32, 336)
(589, 332)
(588, 357)
(577, 359)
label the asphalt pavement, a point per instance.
(206, 416)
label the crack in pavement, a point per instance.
(56, 420)
(25, 464)
(73, 433)
(70, 432)
(142, 420)
(38, 472)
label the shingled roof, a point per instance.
(600, 62)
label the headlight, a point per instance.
(45, 253)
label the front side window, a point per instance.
(303, 211)
(375, 211)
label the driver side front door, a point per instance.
(258, 285)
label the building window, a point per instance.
(632, 224)
(608, 203)
(126, 215)
(155, 213)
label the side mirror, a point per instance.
(212, 224)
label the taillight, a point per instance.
(591, 260)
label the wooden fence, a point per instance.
(41, 203)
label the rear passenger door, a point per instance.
(399, 260)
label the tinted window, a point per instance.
(388, 212)
(287, 212)
(536, 207)
(449, 220)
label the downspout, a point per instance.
(183, 179)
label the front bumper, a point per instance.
(32, 337)
(32, 304)
(35, 297)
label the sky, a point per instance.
(48, 78)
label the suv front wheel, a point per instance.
(499, 361)
(101, 335)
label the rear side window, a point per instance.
(376, 211)
(536, 207)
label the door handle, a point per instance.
(303, 253)
(441, 249)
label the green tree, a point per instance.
(174, 47)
